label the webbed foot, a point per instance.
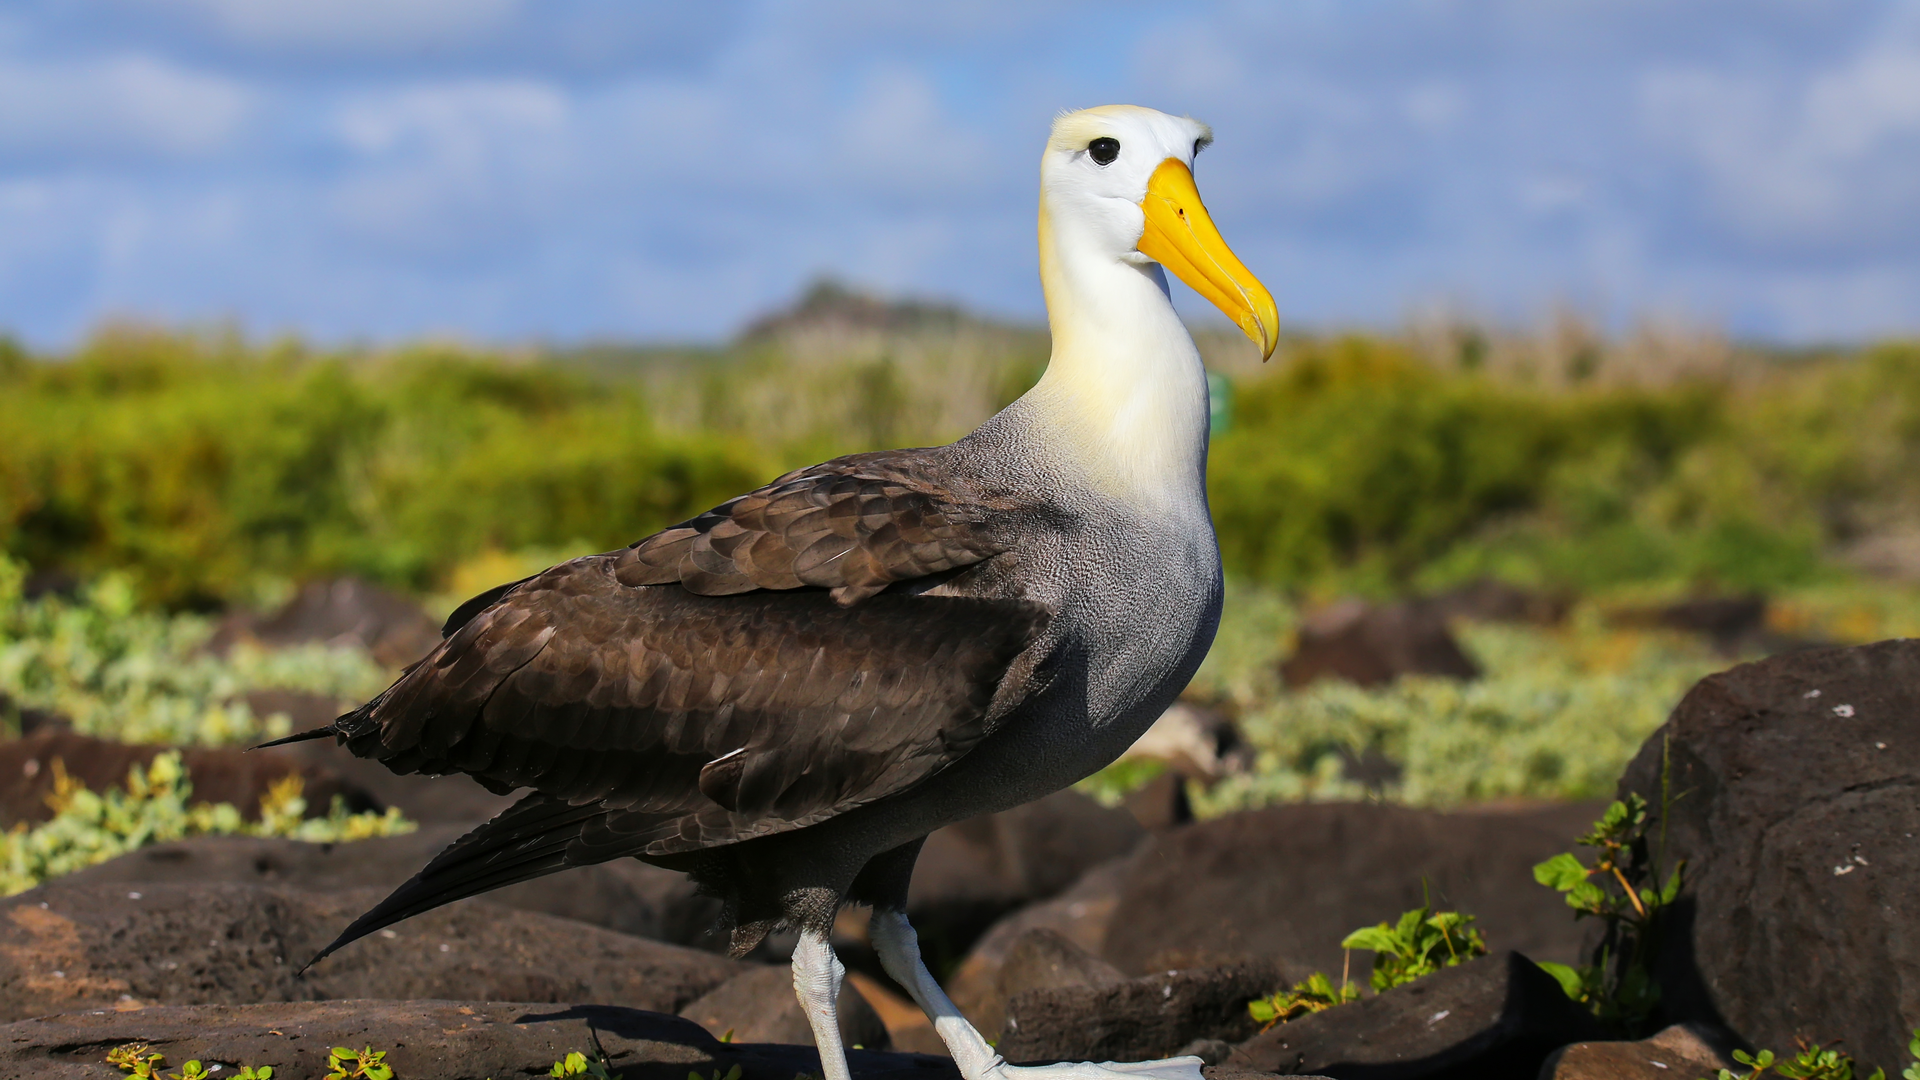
(1180, 1068)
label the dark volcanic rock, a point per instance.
(74, 946)
(1079, 915)
(1289, 882)
(1369, 644)
(758, 1006)
(625, 895)
(1495, 1018)
(1160, 803)
(1487, 600)
(1681, 1052)
(1044, 959)
(1135, 1020)
(972, 873)
(1796, 805)
(424, 1040)
(345, 611)
(223, 774)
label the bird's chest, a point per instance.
(1138, 616)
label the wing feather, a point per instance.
(590, 690)
(853, 525)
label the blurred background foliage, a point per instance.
(165, 475)
(204, 465)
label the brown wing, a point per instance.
(696, 720)
(853, 525)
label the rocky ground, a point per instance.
(1791, 790)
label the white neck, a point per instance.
(1124, 397)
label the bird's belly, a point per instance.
(1124, 646)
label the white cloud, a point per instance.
(370, 25)
(898, 138)
(452, 169)
(1820, 161)
(461, 123)
(115, 105)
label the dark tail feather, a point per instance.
(316, 733)
(527, 840)
(344, 726)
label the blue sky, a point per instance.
(505, 169)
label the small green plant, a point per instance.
(1813, 1062)
(578, 1064)
(732, 1074)
(1404, 951)
(139, 1063)
(156, 806)
(1316, 993)
(365, 1064)
(1420, 943)
(136, 1062)
(1624, 889)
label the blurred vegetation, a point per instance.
(156, 806)
(175, 472)
(119, 671)
(1557, 713)
(203, 465)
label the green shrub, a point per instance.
(199, 464)
(1556, 715)
(155, 807)
(122, 672)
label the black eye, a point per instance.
(1103, 150)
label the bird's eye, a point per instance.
(1103, 150)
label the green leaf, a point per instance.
(1587, 896)
(1562, 872)
(1672, 888)
(1372, 938)
(1409, 923)
(1569, 979)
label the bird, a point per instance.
(783, 696)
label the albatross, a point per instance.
(784, 695)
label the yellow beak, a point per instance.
(1181, 237)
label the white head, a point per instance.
(1116, 185)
